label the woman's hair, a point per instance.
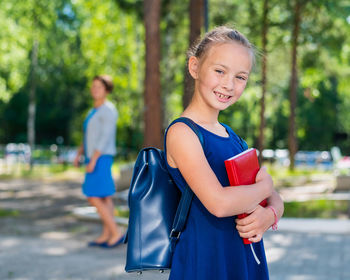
(219, 35)
(106, 81)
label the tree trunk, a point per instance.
(32, 101)
(153, 135)
(196, 22)
(263, 79)
(292, 140)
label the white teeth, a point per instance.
(222, 96)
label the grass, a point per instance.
(4, 213)
(121, 212)
(283, 177)
(40, 171)
(317, 209)
(326, 209)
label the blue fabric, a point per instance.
(99, 183)
(86, 121)
(210, 247)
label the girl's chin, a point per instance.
(222, 106)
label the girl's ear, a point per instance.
(193, 66)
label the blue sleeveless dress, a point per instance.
(210, 247)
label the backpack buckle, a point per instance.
(175, 234)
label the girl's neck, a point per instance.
(99, 102)
(199, 112)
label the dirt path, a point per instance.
(39, 206)
(44, 241)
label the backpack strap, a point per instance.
(187, 196)
(241, 142)
(189, 123)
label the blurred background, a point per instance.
(295, 108)
(295, 111)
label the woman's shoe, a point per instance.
(117, 243)
(96, 244)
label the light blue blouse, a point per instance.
(100, 131)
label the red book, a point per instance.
(241, 170)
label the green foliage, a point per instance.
(40, 171)
(121, 212)
(8, 213)
(175, 43)
(81, 38)
(112, 43)
(58, 72)
(284, 177)
(316, 209)
(14, 42)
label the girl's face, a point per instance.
(98, 90)
(222, 74)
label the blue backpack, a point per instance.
(158, 210)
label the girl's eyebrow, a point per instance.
(222, 65)
(226, 67)
(244, 72)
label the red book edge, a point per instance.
(234, 181)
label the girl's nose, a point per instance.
(228, 84)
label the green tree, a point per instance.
(196, 15)
(14, 62)
(152, 95)
(264, 32)
(56, 73)
(111, 36)
(292, 141)
(79, 39)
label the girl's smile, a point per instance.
(222, 97)
(221, 74)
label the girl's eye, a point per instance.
(241, 78)
(219, 71)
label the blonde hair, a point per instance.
(219, 35)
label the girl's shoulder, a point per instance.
(183, 131)
(176, 129)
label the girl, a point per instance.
(99, 149)
(211, 245)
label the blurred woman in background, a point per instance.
(99, 149)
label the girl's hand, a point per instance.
(265, 179)
(254, 226)
(90, 167)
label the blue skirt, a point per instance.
(99, 183)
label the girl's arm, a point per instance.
(261, 219)
(185, 152)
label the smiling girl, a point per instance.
(211, 245)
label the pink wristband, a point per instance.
(274, 226)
